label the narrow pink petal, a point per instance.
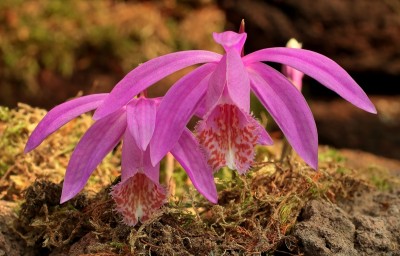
(228, 136)
(95, 144)
(138, 198)
(187, 152)
(229, 83)
(216, 84)
(132, 156)
(141, 117)
(289, 109)
(201, 108)
(319, 67)
(238, 83)
(152, 172)
(60, 115)
(147, 74)
(176, 109)
(134, 160)
(264, 138)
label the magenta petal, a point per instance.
(201, 108)
(229, 77)
(152, 172)
(319, 67)
(134, 160)
(141, 118)
(264, 138)
(187, 152)
(95, 144)
(61, 115)
(176, 109)
(238, 83)
(216, 84)
(288, 108)
(132, 156)
(147, 74)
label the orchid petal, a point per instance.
(95, 144)
(176, 109)
(152, 172)
(132, 156)
(134, 160)
(201, 110)
(319, 67)
(60, 115)
(141, 119)
(264, 138)
(216, 84)
(238, 83)
(288, 108)
(229, 77)
(147, 74)
(187, 152)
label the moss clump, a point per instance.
(49, 161)
(255, 214)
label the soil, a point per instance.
(349, 207)
(367, 224)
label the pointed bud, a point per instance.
(292, 74)
(242, 30)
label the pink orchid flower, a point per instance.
(139, 193)
(294, 76)
(219, 91)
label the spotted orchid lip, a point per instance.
(229, 136)
(138, 198)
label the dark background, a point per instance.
(52, 50)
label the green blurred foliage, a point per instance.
(67, 36)
(37, 34)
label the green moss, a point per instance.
(381, 178)
(4, 114)
(257, 209)
(331, 155)
(289, 210)
(117, 245)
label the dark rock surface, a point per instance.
(367, 225)
(10, 242)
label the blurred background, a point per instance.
(52, 50)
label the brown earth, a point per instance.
(349, 207)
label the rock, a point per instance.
(364, 225)
(372, 234)
(325, 230)
(10, 243)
